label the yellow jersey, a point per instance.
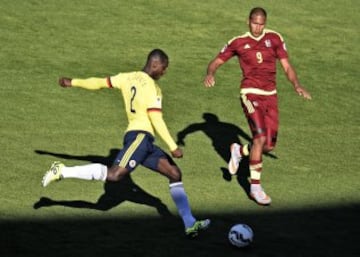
(140, 94)
(142, 98)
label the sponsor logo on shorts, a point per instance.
(132, 163)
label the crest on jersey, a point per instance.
(132, 163)
(267, 43)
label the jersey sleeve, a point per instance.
(154, 101)
(154, 109)
(161, 129)
(281, 50)
(116, 81)
(90, 83)
(228, 51)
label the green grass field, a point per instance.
(312, 177)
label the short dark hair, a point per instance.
(257, 11)
(158, 54)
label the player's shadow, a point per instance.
(114, 192)
(222, 135)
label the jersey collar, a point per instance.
(257, 38)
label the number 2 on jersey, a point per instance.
(133, 93)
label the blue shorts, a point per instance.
(138, 148)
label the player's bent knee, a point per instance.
(116, 173)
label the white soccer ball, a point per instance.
(241, 235)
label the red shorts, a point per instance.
(262, 115)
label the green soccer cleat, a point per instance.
(53, 174)
(199, 225)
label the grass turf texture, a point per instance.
(314, 179)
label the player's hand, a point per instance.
(65, 82)
(209, 81)
(177, 153)
(302, 92)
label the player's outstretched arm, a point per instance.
(89, 83)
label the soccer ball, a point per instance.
(240, 235)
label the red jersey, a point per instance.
(257, 58)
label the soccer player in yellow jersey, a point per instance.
(143, 103)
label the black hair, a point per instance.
(158, 54)
(257, 11)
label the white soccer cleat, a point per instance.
(260, 197)
(235, 158)
(53, 174)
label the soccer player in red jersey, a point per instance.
(258, 51)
